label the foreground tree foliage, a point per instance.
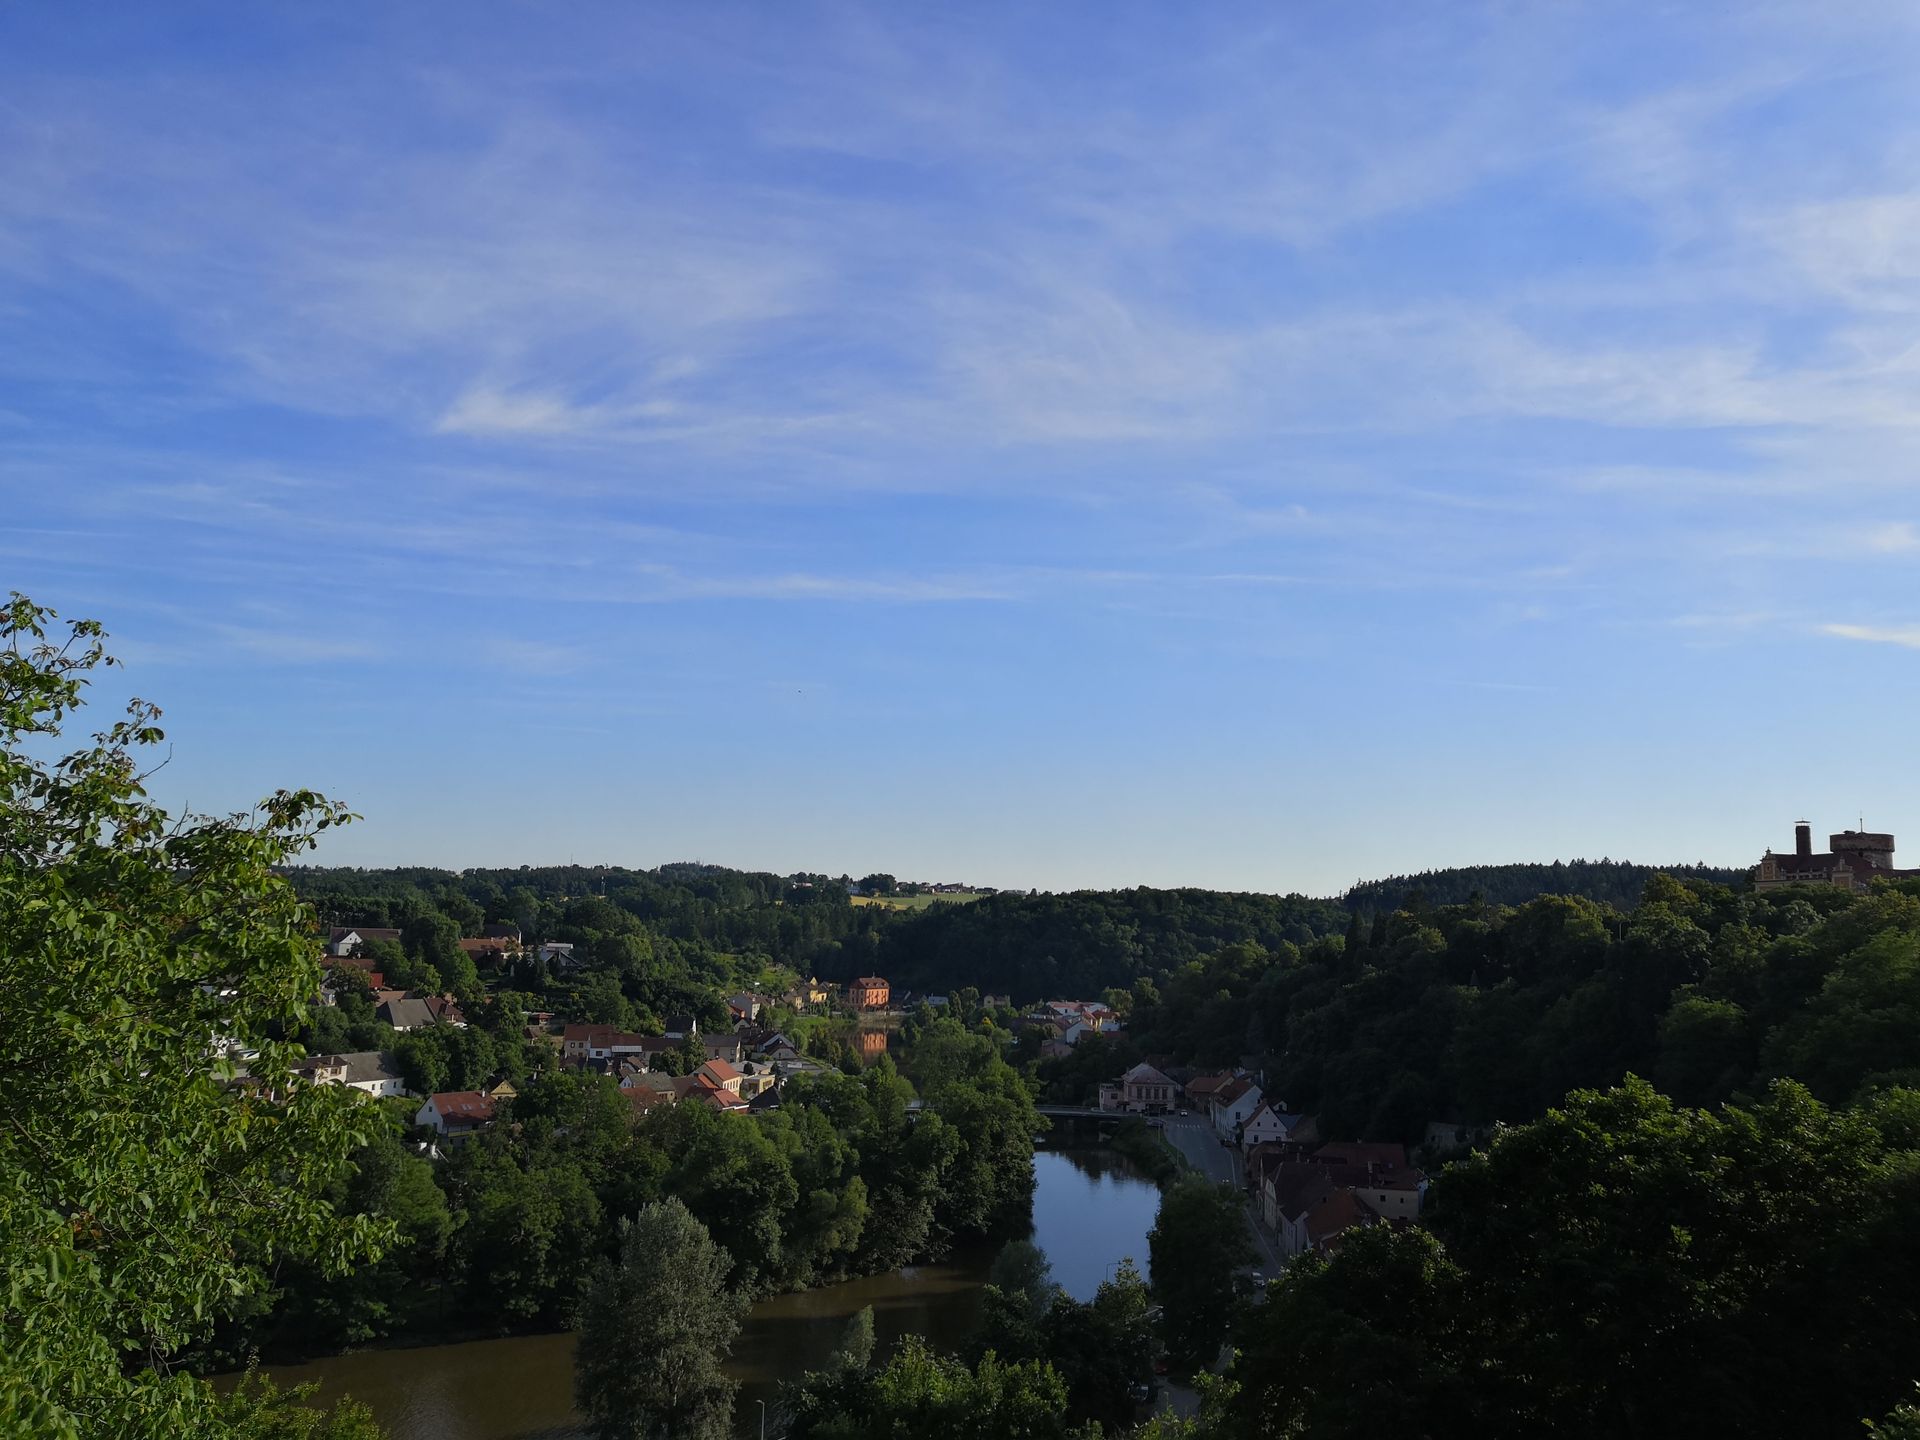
(1101, 1349)
(656, 1329)
(1198, 1241)
(1622, 1267)
(154, 1154)
(919, 1395)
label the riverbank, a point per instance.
(1092, 1209)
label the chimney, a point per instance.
(1803, 839)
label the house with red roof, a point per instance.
(456, 1114)
(721, 1074)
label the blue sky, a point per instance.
(1258, 446)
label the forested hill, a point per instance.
(687, 928)
(1618, 883)
(1083, 943)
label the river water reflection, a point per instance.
(1090, 1210)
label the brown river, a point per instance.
(1091, 1209)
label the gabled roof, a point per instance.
(466, 1107)
(1144, 1074)
(1340, 1210)
(1364, 1152)
(609, 1037)
(1298, 1187)
(1267, 1155)
(365, 1067)
(1230, 1093)
(1286, 1122)
(1377, 1166)
(719, 1097)
(407, 1014)
(720, 1071)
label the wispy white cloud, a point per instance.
(1903, 635)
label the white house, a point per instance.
(372, 1072)
(1233, 1104)
(456, 1113)
(1267, 1124)
(348, 939)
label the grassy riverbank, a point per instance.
(1149, 1150)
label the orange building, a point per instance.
(869, 992)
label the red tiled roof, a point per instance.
(1265, 1156)
(717, 1096)
(464, 1105)
(643, 1099)
(1363, 1152)
(1340, 1211)
(1297, 1187)
(1230, 1092)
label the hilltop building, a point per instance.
(1852, 860)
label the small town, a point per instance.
(841, 721)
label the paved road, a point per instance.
(1193, 1136)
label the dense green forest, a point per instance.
(1611, 882)
(1087, 942)
(703, 925)
(1483, 1013)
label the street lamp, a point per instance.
(763, 1419)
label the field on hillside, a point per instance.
(918, 902)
